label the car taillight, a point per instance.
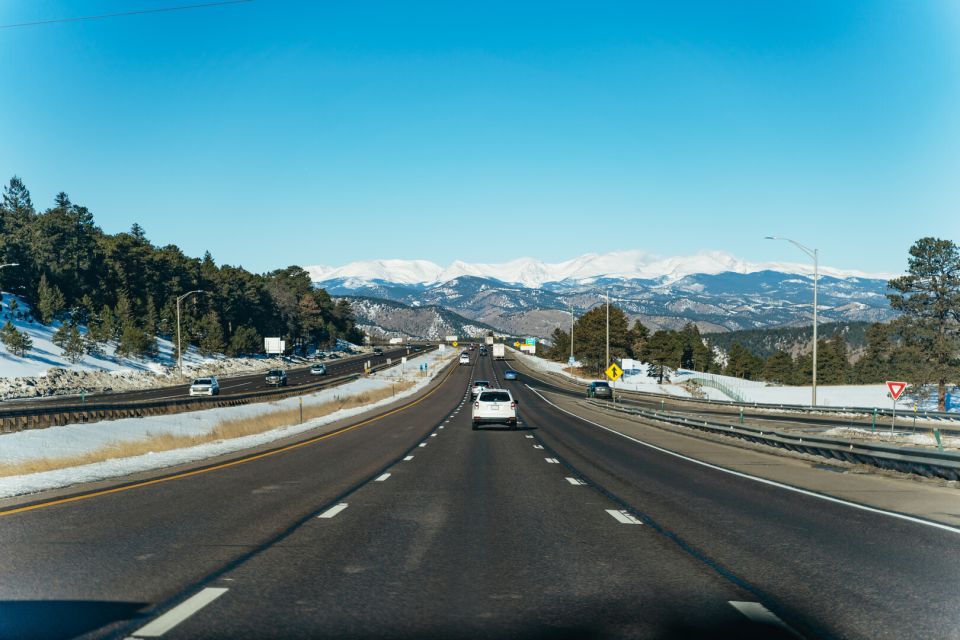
(513, 405)
(476, 405)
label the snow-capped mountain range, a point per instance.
(533, 273)
(717, 291)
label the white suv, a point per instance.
(205, 387)
(495, 405)
(464, 358)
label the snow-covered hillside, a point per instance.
(530, 272)
(45, 371)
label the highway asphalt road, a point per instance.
(413, 525)
(298, 375)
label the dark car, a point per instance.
(377, 351)
(599, 389)
(510, 374)
(276, 378)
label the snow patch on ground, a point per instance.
(43, 371)
(73, 440)
(898, 436)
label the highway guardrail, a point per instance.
(21, 417)
(925, 462)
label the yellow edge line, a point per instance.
(232, 463)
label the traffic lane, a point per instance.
(148, 543)
(829, 568)
(229, 386)
(476, 535)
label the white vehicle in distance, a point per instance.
(318, 370)
(478, 386)
(495, 406)
(205, 387)
(464, 358)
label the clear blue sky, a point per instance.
(299, 132)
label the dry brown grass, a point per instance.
(225, 430)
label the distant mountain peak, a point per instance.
(635, 264)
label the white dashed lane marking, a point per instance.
(758, 613)
(538, 446)
(531, 437)
(552, 460)
(382, 478)
(408, 459)
(333, 511)
(623, 517)
(179, 613)
(576, 482)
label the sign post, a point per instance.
(896, 390)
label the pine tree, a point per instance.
(151, 318)
(73, 347)
(102, 327)
(637, 340)
(928, 298)
(123, 312)
(560, 350)
(62, 335)
(134, 342)
(833, 367)
(779, 368)
(50, 301)
(211, 340)
(743, 364)
(17, 342)
(245, 340)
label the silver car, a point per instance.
(205, 387)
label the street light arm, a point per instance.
(189, 293)
(807, 250)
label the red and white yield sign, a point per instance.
(896, 389)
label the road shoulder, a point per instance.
(901, 495)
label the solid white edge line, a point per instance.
(179, 613)
(332, 511)
(382, 478)
(623, 517)
(756, 612)
(772, 483)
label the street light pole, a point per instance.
(608, 327)
(813, 253)
(179, 347)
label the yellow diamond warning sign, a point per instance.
(614, 372)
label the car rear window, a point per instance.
(202, 381)
(274, 372)
(481, 383)
(600, 384)
(494, 396)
